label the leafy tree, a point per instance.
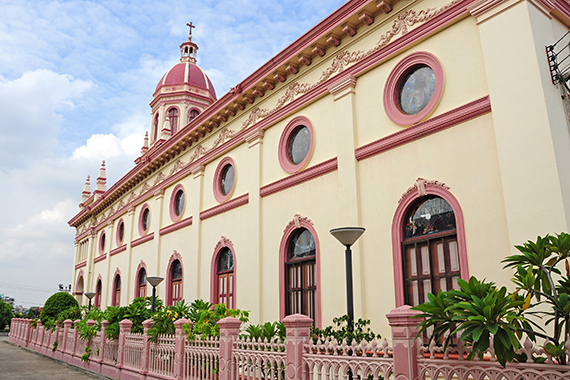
(480, 310)
(5, 314)
(58, 303)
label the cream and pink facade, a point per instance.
(232, 198)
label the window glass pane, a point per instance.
(225, 260)
(416, 90)
(299, 144)
(425, 260)
(179, 202)
(431, 216)
(227, 179)
(118, 283)
(192, 114)
(302, 244)
(453, 255)
(176, 270)
(173, 116)
(121, 231)
(440, 258)
(146, 218)
(142, 277)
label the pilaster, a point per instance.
(195, 257)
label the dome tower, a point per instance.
(181, 94)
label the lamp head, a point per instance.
(347, 235)
(154, 281)
(89, 295)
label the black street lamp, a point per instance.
(89, 295)
(347, 237)
(154, 281)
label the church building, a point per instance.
(439, 126)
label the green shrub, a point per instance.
(341, 331)
(5, 314)
(59, 303)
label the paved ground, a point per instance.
(20, 363)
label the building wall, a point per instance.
(505, 165)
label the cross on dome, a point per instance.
(191, 26)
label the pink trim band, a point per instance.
(143, 239)
(176, 226)
(118, 250)
(100, 258)
(219, 209)
(81, 265)
(437, 123)
(318, 170)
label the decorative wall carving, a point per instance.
(420, 187)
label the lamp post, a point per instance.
(89, 295)
(347, 237)
(154, 281)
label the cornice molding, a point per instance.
(226, 206)
(100, 258)
(118, 250)
(175, 226)
(425, 128)
(142, 240)
(305, 175)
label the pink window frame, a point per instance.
(172, 132)
(117, 235)
(99, 295)
(393, 84)
(175, 256)
(101, 242)
(79, 277)
(172, 207)
(114, 300)
(283, 247)
(142, 231)
(214, 271)
(398, 235)
(283, 151)
(142, 265)
(218, 194)
(188, 114)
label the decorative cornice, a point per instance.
(142, 240)
(226, 206)
(437, 123)
(420, 187)
(296, 222)
(343, 87)
(224, 242)
(118, 250)
(305, 175)
(175, 226)
(254, 137)
(100, 258)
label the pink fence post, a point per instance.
(229, 331)
(104, 324)
(404, 331)
(75, 339)
(179, 343)
(66, 326)
(39, 337)
(146, 346)
(124, 328)
(298, 328)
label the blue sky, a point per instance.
(76, 78)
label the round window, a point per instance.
(144, 220)
(227, 179)
(413, 88)
(416, 90)
(179, 202)
(102, 243)
(296, 144)
(120, 232)
(299, 144)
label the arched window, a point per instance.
(117, 290)
(155, 127)
(192, 114)
(141, 283)
(225, 278)
(176, 282)
(429, 248)
(98, 291)
(173, 117)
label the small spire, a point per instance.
(86, 190)
(101, 182)
(144, 149)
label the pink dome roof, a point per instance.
(187, 73)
